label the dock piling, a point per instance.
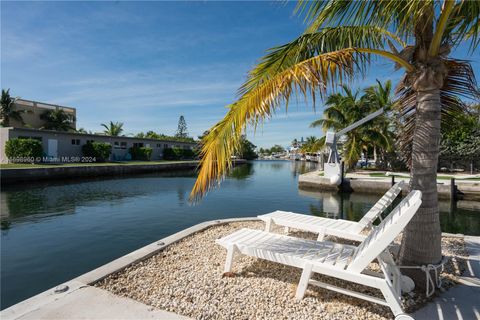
(342, 172)
(453, 190)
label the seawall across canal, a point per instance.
(16, 175)
(465, 190)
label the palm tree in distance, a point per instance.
(57, 119)
(380, 96)
(312, 144)
(113, 129)
(343, 109)
(294, 142)
(82, 130)
(7, 110)
(340, 42)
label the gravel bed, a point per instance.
(187, 278)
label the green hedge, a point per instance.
(99, 151)
(141, 153)
(23, 150)
(178, 154)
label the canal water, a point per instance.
(53, 232)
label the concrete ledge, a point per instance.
(36, 306)
(312, 181)
(94, 303)
(11, 176)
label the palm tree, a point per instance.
(312, 144)
(380, 96)
(342, 110)
(294, 142)
(7, 110)
(82, 130)
(341, 40)
(57, 119)
(113, 128)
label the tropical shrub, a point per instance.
(161, 136)
(141, 153)
(460, 144)
(100, 151)
(247, 150)
(20, 150)
(178, 154)
(189, 154)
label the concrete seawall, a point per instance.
(313, 181)
(12, 176)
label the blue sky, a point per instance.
(147, 63)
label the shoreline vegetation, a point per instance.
(70, 171)
(7, 166)
(29, 172)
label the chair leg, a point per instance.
(268, 225)
(392, 299)
(321, 235)
(303, 284)
(229, 261)
(388, 266)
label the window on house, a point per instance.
(159, 145)
(165, 145)
(116, 145)
(138, 144)
(76, 142)
(123, 145)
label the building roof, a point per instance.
(96, 135)
(45, 105)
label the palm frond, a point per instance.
(306, 46)
(318, 123)
(464, 24)
(400, 15)
(308, 79)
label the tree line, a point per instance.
(379, 138)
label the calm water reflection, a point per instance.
(52, 232)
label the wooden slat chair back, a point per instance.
(379, 207)
(384, 234)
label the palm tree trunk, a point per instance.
(421, 243)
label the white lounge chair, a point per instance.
(333, 259)
(336, 227)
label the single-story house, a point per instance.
(61, 146)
